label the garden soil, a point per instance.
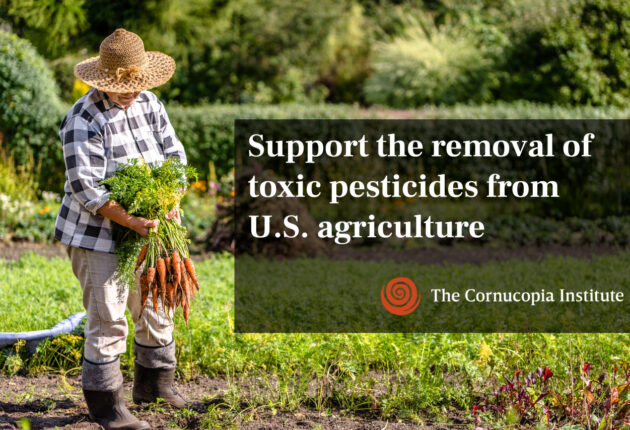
(54, 401)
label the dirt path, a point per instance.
(14, 250)
(52, 401)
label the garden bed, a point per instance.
(62, 405)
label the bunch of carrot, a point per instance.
(152, 191)
(169, 273)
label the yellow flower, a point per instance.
(232, 193)
(484, 354)
(79, 89)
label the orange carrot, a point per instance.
(190, 268)
(162, 294)
(186, 311)
(185, 288)
(185, 305)
(169, 269)
(170, 292)
(143, 253)
(154, 292)
(185, 280)
(176, 268)
(150, 275)
(144, 291)
(192, 284)
(160, 265)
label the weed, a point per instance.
(185, 413)
(63, 352)
(157, 406)
(25, 396)
(602, 402)
(24, 424)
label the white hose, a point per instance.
(33, 338)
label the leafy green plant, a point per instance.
(67, 83)
(50, 24)
(63, 352)
(592, 44)
(207, 131)
(18, 187)
(602, 403)
(150, 192)
(30, 110)
(12, 359)
(428, 65)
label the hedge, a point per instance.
(30, 109)
(207, 132)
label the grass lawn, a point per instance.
(390, 375)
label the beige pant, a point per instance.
(105, 299)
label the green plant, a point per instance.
(592, 46)
(601, 402)
(344, 64)
(62, 69)
(207, 131)
(428, 66)
(63, 352)
(150, 192)
(49, 24)
(30, 110)
(18, 185)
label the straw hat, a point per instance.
(123, 66)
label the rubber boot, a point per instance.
(108, 409)
(151, 384)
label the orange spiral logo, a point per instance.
(400, 296)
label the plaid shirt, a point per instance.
(97, 135)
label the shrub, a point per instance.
(64, 76)
(207, 132)
(30, 110)
(22, 215)
(521, 110)
(344, 64)
(419, 68)
(51, 25)
(592, 43)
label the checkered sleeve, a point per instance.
(172, 146)
(85, 160)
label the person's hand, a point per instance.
(142, 225)
(174, 214)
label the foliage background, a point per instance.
(304, 59)
(389, 53)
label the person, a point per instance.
(116, 121)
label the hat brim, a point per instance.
(158, 69)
